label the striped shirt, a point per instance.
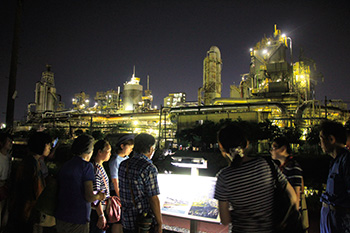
(101, 182)
(249, 189)
(293, 172)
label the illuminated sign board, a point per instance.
(190, 197)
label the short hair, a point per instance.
(231, 137)
(334, 128)
(143, 143)
(99, 145)
(37, 142)
(282, 141)
(3, 137)
(83, 144)
(126, 139)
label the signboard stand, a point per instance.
(193, 226)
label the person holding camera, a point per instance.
(139, 190)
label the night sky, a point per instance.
(93, 45)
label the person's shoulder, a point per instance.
(293, 162)
(222, 171)
(344, 155)
(113, 158)
(346, 152)
(124, 162)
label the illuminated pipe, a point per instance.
(230, 107)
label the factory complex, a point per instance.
(276, 88)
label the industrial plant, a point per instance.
(275, 88)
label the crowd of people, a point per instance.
(91, 175)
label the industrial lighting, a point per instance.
(265, 51)
(190, 162)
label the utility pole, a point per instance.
(12, 93)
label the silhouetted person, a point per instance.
(75, 194)
(245, 189)
(28, 184)
(282, 152)
(335, 212)
(5, 168)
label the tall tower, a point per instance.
(212, 65)
(148, 98)
(132, 94)
(45, 92)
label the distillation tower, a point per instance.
(212, 66)
(45, 92)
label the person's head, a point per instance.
(144, 144)
(5, 142)
(39, 143)
(125, 144)
(232, 142)
(332, 134)
(280, 148)
(102, 151)
(83, 146)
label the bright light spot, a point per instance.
(283, 35)
(251, 49)
(264, 51)
(3, 126)
(135, 122)
(87, 101)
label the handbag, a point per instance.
(113, 210)
(113, 207)
(47, 220)
(287, 217)
(46, 204)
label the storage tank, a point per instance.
(132, 94)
